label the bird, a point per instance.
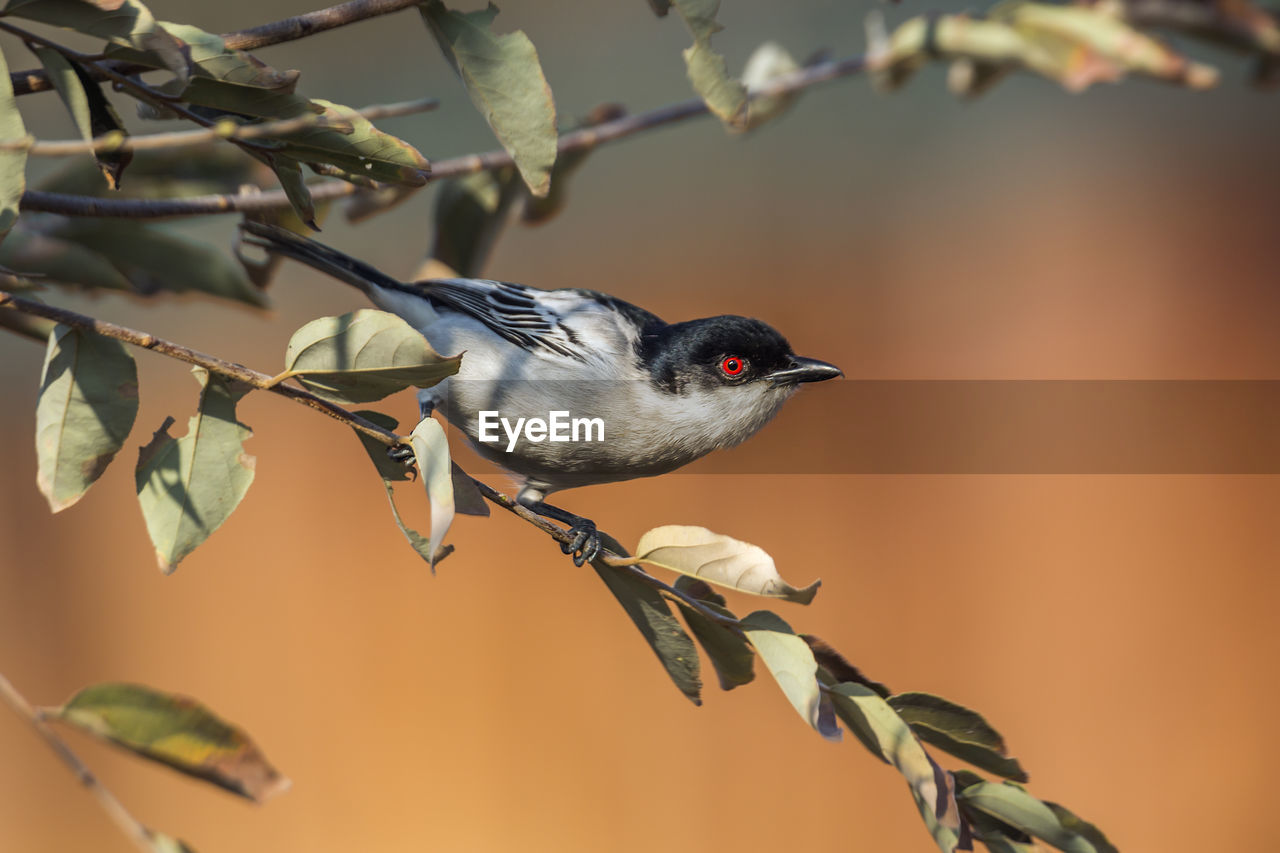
(661, 394)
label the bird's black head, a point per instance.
(725, 351)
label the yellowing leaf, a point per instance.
(504, 79)
(431, 450)
(88, 402)
(769, 60)
(724, 94)
(719, 559)
(189, 486)
(931, 786)
(176, 731)
(392, 471)
(792, 665)
(364, 356)
(13, 163)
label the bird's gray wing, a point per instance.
(513, 311)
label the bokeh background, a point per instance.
(1119, 630)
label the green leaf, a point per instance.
(997, 835)
(792, 665)
(392, 471)
(87, 405)
(364, 356)
(189, 486)
(176, 731)
(431, 450)
(127, 23)
(959, 731)
(504, 79)
(213, 60)
(730, 653)
(90, 110)
(470, 213)
(1080, 826)
(1011, 804)
(154, 260)
(723, 93)
(719, 559)
(54, 260)
(651, 615)
(362, 150)
(13, 164)
(931, 787)
(174, 173)
(238, 84)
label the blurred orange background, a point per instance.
(1118, 630)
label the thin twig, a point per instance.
(137, 832)
(299, 26)
(211, 363)
(221, 130)
(577, 140)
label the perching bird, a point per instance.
(665, 394)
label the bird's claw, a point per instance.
(403, 454)
(584, 542)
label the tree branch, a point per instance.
(577, 140)
(264, 382)
(138, 833)
(221, 130)
(299, 26)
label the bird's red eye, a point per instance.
(732, 365)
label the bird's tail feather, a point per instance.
(280, 241)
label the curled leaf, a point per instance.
(176, 731)
(719, 559)
(431, 450)
(769, 60)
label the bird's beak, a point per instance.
(804, 370)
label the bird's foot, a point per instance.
(584, 542)
(403, 454)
